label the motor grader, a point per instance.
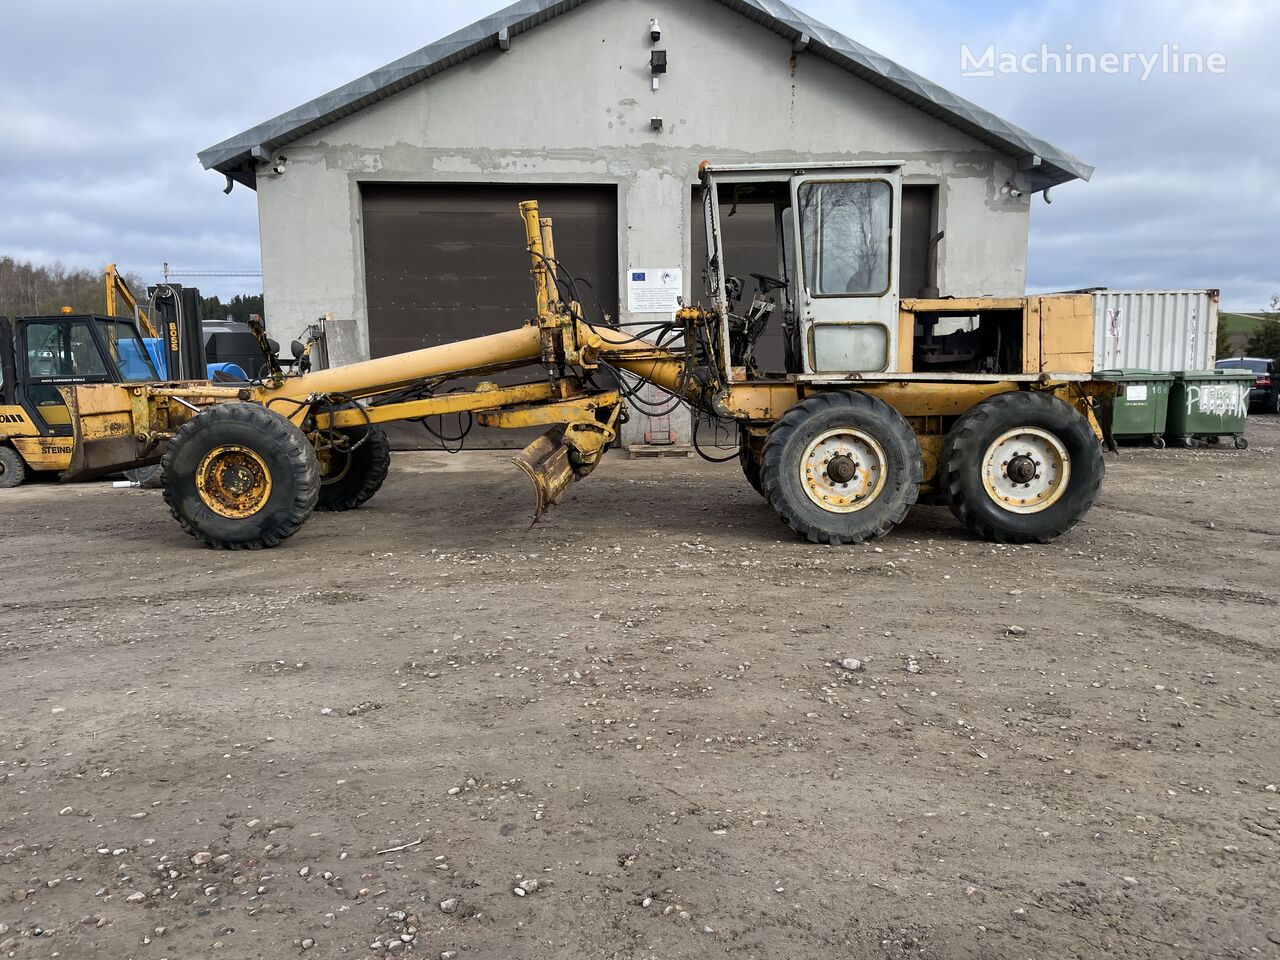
(986, 404)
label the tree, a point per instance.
(240, 307)
(1223, 346)
(1265, 340)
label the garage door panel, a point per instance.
(446, 262)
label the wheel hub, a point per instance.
(843, 470)
(233, 481)
(1021, 468)
(1026, 470)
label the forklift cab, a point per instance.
(45, 353)
(835, 293)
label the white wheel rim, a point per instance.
(1040, 468)
(850, 449)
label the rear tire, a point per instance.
(750, 465)
(841, 467)
(355, 475)
(1043, 440)
(240, 477)
(12, 469)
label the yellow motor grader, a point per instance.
(986, 403)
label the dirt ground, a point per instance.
(637, 709)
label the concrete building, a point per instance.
(391, 202)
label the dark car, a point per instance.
(1265, 391)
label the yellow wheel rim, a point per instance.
(233, 481)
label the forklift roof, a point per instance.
(1042, 164)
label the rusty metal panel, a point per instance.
(1066, 328)
(1155, 329)
(446, 262)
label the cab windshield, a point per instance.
(127, 351)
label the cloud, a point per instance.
(105, 107)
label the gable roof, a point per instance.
(1043, 164)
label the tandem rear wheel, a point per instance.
(841, 467)
(1021, 467)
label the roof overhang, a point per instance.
(1041, 164)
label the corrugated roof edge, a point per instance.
(1042, 164)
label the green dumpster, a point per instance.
(1140, 407)
(1208, 404)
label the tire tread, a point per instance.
(771, 467)
(278, 433)
(961, 447)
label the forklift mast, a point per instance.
(120, 297)
(177, 310)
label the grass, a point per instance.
(1240, 323)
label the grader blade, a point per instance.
(546, 462)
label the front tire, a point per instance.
(356, 473)
(240, 477)
(1021, 467)
(12, 469)
(841, 467)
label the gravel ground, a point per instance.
(423, 729)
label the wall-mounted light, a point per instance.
(657, 65)
(655, 123)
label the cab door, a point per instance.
(846, 225)
(57, 352)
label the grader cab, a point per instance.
(986, 404)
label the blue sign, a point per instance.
(637, 276)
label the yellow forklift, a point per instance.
(987, 403)
(41, 355)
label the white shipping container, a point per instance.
(1155, 329)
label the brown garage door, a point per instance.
(446, 262)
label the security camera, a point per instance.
(277, 166)
(655, 31)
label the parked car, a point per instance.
(1265, 392)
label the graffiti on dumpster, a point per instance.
(1221, 399)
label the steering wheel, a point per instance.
(768, 284)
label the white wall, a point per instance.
(571, 101)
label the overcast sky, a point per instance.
(103, 107)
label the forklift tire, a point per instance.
(750, 465)
(355, 475)
(148, 478)
(240, 477)
(12, 470)
(1021, 467)
(841, 467)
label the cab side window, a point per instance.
(845, 228)
(57, 350)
